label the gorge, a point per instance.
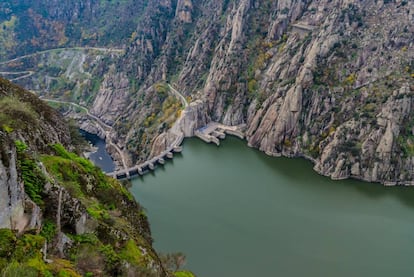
(322, 79)
(331, 81)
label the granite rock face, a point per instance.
(330, 80)
(36, 125)
(12, 195)
(112, 96)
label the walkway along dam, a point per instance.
(210, 133)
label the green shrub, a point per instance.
(85, 238)
(183, 274)
(7, 128)
(38, 264)
(31, 174)
(20, 146)
(33, 179)
(7, 242)
(27, 247)
(21, 256)
(3, 264)
(84, 164)
(48, 230)
(111, 257)
(97, 211)
(89, 259)
(16, 114)
(15, 269)
(131, 253)
(62, 268)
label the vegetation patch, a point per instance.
(31, 174)
(132, 253)
(183, 274)
(22, 256)
(16, 114)
(48, 230)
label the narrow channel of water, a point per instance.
(237, 212)
(101, 157)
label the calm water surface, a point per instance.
(101, 157)
(236, 212)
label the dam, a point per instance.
(141, 169)
(211, 133)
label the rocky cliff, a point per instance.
(323, 79)
(59, 214)
(328, 80)
(22, 119)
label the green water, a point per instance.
(237, 212)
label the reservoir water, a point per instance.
(237, 212)
(100, 157)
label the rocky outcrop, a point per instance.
(91, 127)
(112, 96)
(68, 212)
(183, 10)
(35, 125)
(194, 117)
(279, 122)
(12, 195)
(379, 142)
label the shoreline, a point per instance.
(306, 157)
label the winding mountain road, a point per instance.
(179, 95)
(102, 49)
(105, 127)
(26, 73)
